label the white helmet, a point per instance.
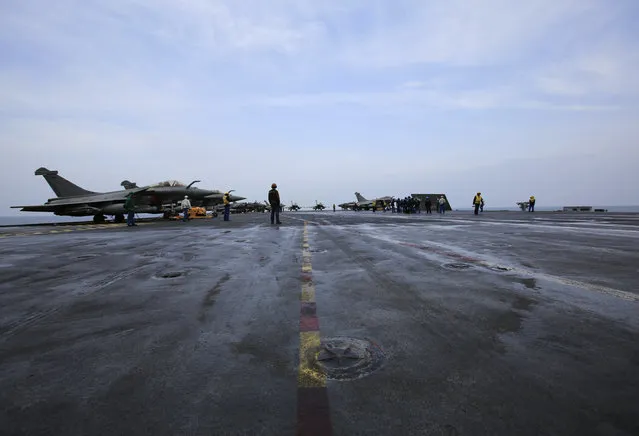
(186, 196)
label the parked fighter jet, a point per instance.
(166, 195)
(363, 203)
(73, 200)
(367, 204)
(319, 206)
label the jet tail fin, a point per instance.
(359, 197)
(61, 186)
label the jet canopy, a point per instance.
(169, 184)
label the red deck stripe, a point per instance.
(313, 412)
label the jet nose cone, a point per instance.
(236, 198)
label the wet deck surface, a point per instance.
(503, 324)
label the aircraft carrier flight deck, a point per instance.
(345, 323)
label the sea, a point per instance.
(615, 209)
(47, 218)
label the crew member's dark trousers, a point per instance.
(227, 212)
(275, 214)
(428, 210)
(130, 218)
(185, 212)
(476, 209)
(531, 207)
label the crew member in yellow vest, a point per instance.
(477, 202)
(531, 204)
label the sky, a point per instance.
(324, 98)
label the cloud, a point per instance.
(417, 98)
(412, 84)
(459, 32)
(607, 72)
(90, 96)
(215, 28)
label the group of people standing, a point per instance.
(405, 205)
(411, 205)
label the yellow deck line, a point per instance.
(308, 293)
(308, 377)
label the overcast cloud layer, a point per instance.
(324, 97)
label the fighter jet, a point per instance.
(73, 200)
(166, 195)
(294, 207)
(363, 203)
(319, 206)
(366, 204)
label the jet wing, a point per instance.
(55, 204)
(67, 209)
(37, 208)
(107, 198)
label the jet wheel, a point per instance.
(98, 219)
(119, 218)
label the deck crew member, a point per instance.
(477, 202)
(442, 204)
(227, 206)
(186, 205)
(129, 207)
(274, 201)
